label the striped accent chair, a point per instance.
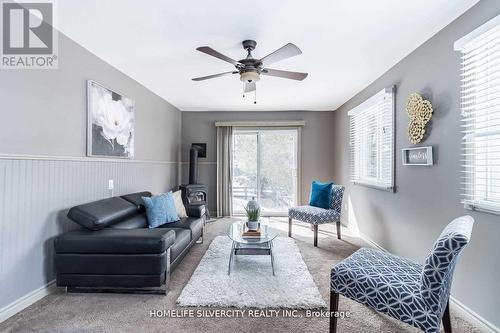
(412, 293)
(316, 216)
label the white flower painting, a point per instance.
(110, 122)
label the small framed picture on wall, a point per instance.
(418, 156)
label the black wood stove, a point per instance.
(194, 193)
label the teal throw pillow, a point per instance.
(321, 194)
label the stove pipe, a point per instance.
(193, 165)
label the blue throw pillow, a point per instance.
(321, 194)
(171, 211)
(160, 209)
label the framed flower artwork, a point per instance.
(110, 122)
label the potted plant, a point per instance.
(253, 214)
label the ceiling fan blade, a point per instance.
(210, 51)
(284, 74)
(214, 76)
(287, 51)
(250, 86)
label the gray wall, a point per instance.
(317, 161)
(44, 113)
(407, 222)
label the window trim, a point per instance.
(371, 102)
(470, 43)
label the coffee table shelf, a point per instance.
(251, 246)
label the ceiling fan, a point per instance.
(250, 68)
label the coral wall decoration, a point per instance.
(420, 112)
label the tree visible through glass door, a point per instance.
(265, 168)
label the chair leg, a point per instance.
(316, 235)
(447, 319)
(338, 230)
(289, 227)
(334, 307)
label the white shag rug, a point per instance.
(251, 283)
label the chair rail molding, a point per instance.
(4, 156)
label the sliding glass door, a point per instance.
(265, 167)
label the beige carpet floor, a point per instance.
(62, 312)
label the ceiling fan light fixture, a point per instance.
(249, 77)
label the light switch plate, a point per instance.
(111, 184)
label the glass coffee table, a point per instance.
(251, 246)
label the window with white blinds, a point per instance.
(371, 141)
(480, 105)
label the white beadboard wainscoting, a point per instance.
(35, 194)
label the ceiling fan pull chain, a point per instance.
(255, 97)
(244, 84)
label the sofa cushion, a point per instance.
(190, 223)
(115, 241)
(92, 263)
(136, 199)
(135, 222)
(182, 240)
(100, 214)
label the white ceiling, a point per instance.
(346, 45)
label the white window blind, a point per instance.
(480, 104)
(371, 140)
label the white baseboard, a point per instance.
(28, 299)
(467, 314)
(456, 306)
(371, 242)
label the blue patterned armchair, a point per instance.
(415, 294)
(316, 216)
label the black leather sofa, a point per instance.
(116, 251)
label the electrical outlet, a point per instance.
(111, 185)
